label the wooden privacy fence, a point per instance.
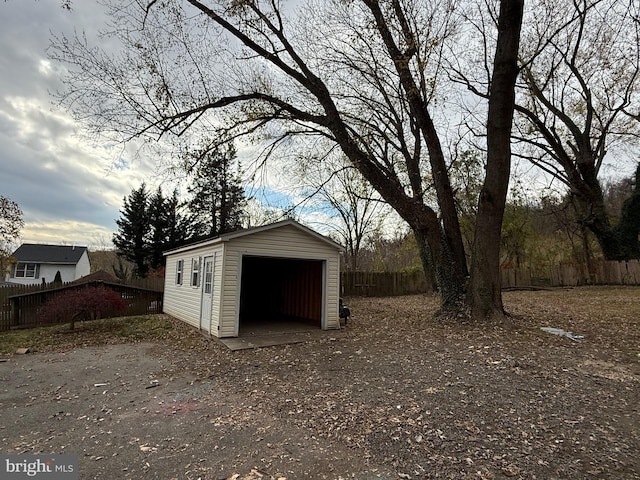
(595, 272)
(383, 284)
(20, 309)
(600, 272)
(515, 277)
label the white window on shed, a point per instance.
(195, 272)
(179, 268)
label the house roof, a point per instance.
(57, 254)
(225, 237)
(97, 276)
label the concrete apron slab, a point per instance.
(272, 339)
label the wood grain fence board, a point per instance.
(597, 272)
(376, 284)
(633, 268)
(20, 306)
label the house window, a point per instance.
(26, 270)
(195, 272)
(179, 268)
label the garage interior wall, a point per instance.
(281, 289)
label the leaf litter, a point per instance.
(407, 396)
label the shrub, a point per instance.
(84, 303)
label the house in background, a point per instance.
(40, 263)
(273, 274)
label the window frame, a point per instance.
(195, 271)
(25, 269)
(179, 271)
(207, 283)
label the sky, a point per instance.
(65, 186)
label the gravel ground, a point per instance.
(394, 395)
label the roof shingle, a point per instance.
(59, 254)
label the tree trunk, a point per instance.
(628, 227)
(421, 218)
(485, 294)
(440, 269)
(445, 242)
(433, 249)
(619, 242)
(592, 213)
(426, 259)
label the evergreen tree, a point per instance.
(158, 216)
(167, 227)
(176, 227)
(217, 201)
(134, 229)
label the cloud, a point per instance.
(71, 188)
(66, 186)
(71, 232)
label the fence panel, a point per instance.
(596, 272)
(152, 283)
(633, 272)
(383, 284)
(515, 277)
(6, 311)
(21, 305)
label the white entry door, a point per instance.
(207, 295)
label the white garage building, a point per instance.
(274, 273)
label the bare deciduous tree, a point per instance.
(360, 74)
(578, 94)
(11, 223)
(357, 212)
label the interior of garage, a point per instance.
(280, 293)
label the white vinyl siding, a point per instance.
(282, 241)
(48, 272)
(83, 267)
(184, 302)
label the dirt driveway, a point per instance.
(126, 417)
(394, 396)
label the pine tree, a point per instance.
(167, 225)
(217, 201)
(158, 216)
(176, 233)
(133, 230)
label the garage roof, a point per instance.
(225, 237)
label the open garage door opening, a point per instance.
(280, 294)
